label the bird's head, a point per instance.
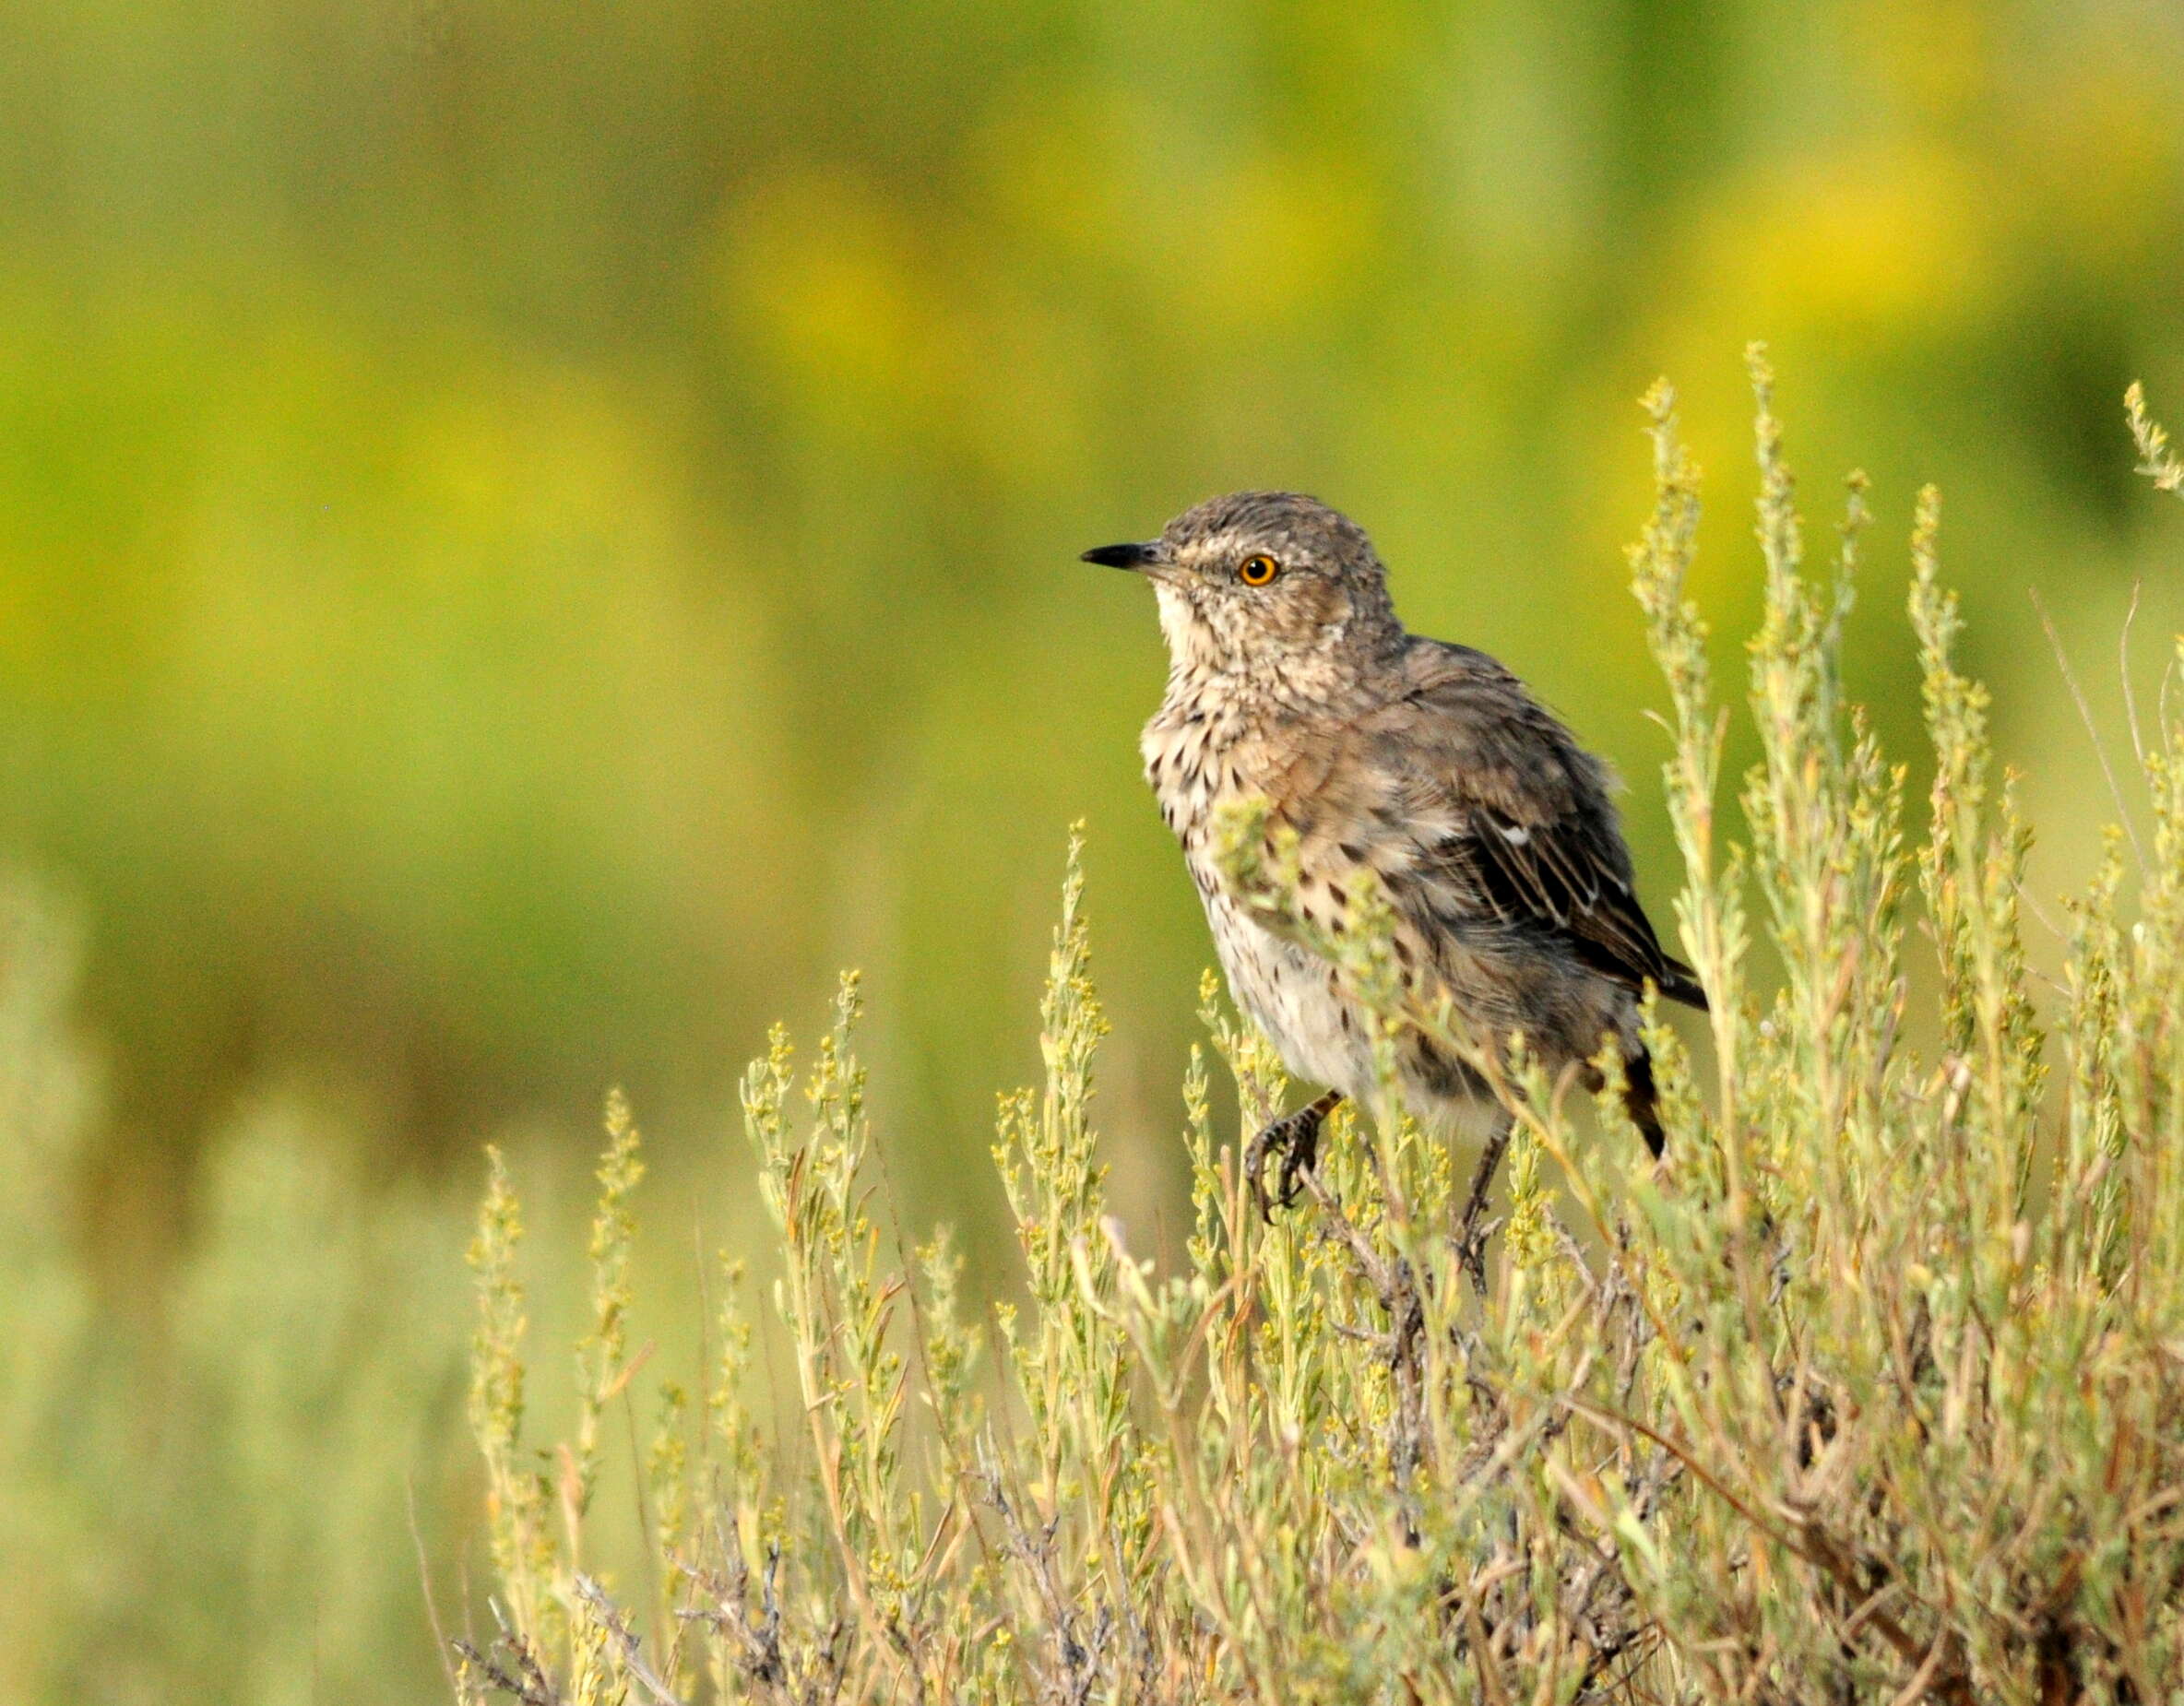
(1263, 583)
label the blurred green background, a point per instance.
(532, 533)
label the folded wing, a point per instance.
(1513, 818)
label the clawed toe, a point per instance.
(1299, 1157)
(1296, 1138)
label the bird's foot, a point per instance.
(1296, 1139)
(1474, 1229)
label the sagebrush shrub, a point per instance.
(1868, 1394)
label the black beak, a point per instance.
(1120, 556)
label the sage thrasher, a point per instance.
(1488, 827)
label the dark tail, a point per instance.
(1681, 983)
(1640, 1099)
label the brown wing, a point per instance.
(1506, 805)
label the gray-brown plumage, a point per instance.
(1489, 828)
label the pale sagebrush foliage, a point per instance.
(1869, 1393)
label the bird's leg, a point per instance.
(1296, 1138)
(1473, 1229)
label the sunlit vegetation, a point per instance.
(531, 535)
(1869, 1392)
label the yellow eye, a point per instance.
(1258, 571)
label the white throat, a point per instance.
(1192, 650)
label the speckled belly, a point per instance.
(1294, 998)
(1322, 1034)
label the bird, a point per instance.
(1489, 831)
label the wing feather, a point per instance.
(1519, 815)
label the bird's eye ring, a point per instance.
(1258, 570)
